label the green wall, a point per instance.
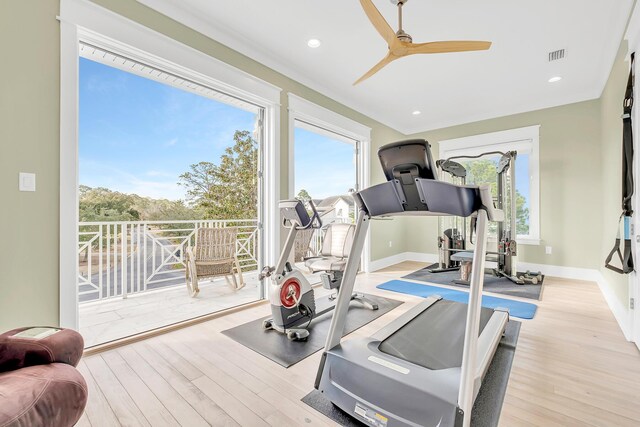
(569, 169)
(611, 160)
(29, 137)
(580, 182)
(579, 157)
(30, 115)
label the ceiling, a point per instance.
(448, 89)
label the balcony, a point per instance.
(131, 275)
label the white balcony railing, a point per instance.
(121, 258)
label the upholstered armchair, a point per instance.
(39, 384)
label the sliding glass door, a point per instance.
(326, 171)
(169, 183)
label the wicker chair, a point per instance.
(213, 255)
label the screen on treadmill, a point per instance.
(433, 339)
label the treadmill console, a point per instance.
(404, 162)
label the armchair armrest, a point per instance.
(188, 251)
(64, 346)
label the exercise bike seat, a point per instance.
(335, 249)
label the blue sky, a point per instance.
(138, 135)
(323, 166)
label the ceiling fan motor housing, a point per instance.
(403, 37)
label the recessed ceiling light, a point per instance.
(555, 79)
(314, 43)
(416, 113)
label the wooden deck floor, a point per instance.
(572, 367)
(111, 319)
(116, 318)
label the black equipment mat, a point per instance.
(498, 285)
(488, 404)
(280, 349)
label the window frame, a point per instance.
(525, 140)
(318, 119)
(83, 21)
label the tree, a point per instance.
(304, 196)
(483, 171)
(228, 190)
(198, 181)
(101, 204)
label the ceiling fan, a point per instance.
(401, 44)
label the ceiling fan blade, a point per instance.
(386, 60)
(446, 47)
(379, 23)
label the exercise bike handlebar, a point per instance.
(315, 217)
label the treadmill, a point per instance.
(424, 368)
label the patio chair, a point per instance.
(213, 255)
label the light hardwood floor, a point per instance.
(572, 367)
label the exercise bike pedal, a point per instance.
(267, 324)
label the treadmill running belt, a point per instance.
(440, 330)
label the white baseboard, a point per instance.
(620, 312)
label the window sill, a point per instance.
(528, 241)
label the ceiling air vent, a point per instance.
(556, 55)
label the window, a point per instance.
(99, 35)
(329, 156)
(525, 141)
(160, 157)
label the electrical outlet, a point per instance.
(390, 243)
(548, 250)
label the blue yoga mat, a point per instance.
(523, 310)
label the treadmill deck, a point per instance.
(434, 339)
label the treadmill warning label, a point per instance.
(371, 416)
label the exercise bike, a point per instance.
(293, 303)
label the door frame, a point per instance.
(306, 111)
(634, 277)
(81, 20)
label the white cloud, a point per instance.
(324, 182)
(160, 173)
(96, 174)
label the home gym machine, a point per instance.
(453, 254)
(293, 303)
(425, 368)
(452, 230)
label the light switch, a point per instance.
(27, 182)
